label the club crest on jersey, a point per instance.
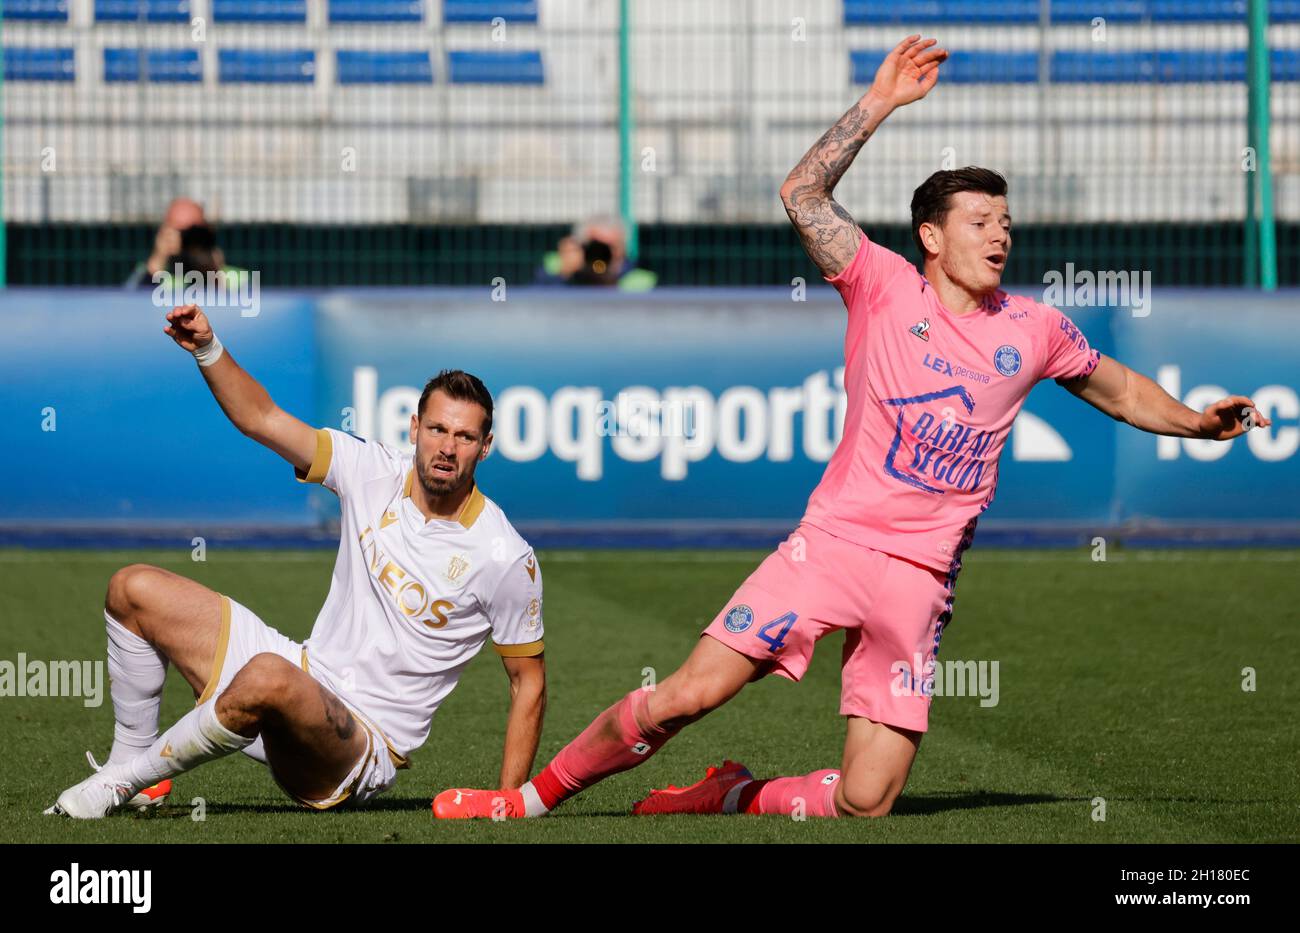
(922, 329)
(738, 619)
(456, 568)
(1007, 360)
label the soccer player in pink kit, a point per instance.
(936, 369)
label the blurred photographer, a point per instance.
(595, 254)
(184, 239)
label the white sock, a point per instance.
(533, 805)
(197, 737)
(136, 672)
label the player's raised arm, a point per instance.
(828, 231)
(243, 399)
(1129, 396)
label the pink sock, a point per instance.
(617, 740)
(781, 795)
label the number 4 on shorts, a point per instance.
(777, 642)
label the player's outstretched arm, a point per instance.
(1131, 397)
(524, 727)
(243, 399)
(828, 232)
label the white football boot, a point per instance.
(100, 794)
(94, 798)
(155, 795)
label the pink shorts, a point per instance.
(892, 612)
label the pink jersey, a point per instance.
(931, 398)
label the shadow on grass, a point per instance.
(380, 805)
(972, 800)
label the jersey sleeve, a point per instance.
(515, 609)
(863, 280)
(342, 461)
(1068, 354)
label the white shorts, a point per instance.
(244, 635)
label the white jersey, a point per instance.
(412, 601)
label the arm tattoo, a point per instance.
(829, 233)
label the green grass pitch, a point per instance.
(1120, 680)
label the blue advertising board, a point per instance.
(674, 409)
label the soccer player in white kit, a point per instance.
(428, 569)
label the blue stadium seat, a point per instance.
(919, 12)
(1167, 11)
(986, 12)
(266, 66)
(1285, 64)
(41, 10)
(365, 67)
(484, 11)
(153, 11)
(976, 66)
(376, 11)
(1166, 66)
(259, 11)
(163, 66)
(504, 67)
(24, 63)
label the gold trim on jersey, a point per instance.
(472, 509)
(469, 512)
(320, 463)
(219, 656)
(530, 650)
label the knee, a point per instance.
(865, 798)
(258, 686)
(688, 700)
(130, 590)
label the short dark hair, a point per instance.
(932, 200)
(463, 386)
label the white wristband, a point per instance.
(209, 353)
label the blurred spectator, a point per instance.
(595, 254)
(185, 238)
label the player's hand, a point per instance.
(189, 327)
(908, 72)
(1230, 417)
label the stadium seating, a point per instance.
(161, 65)
(1166, 66)
(35, 10)
(376, 11)
(26, 63)
(266, 66)
(1005, 12)
(366, 67)
(504, 67)
(352, 61)
(150, 11)
(969, 67)
(259, 11)
(484, 11)
(1141, 66)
